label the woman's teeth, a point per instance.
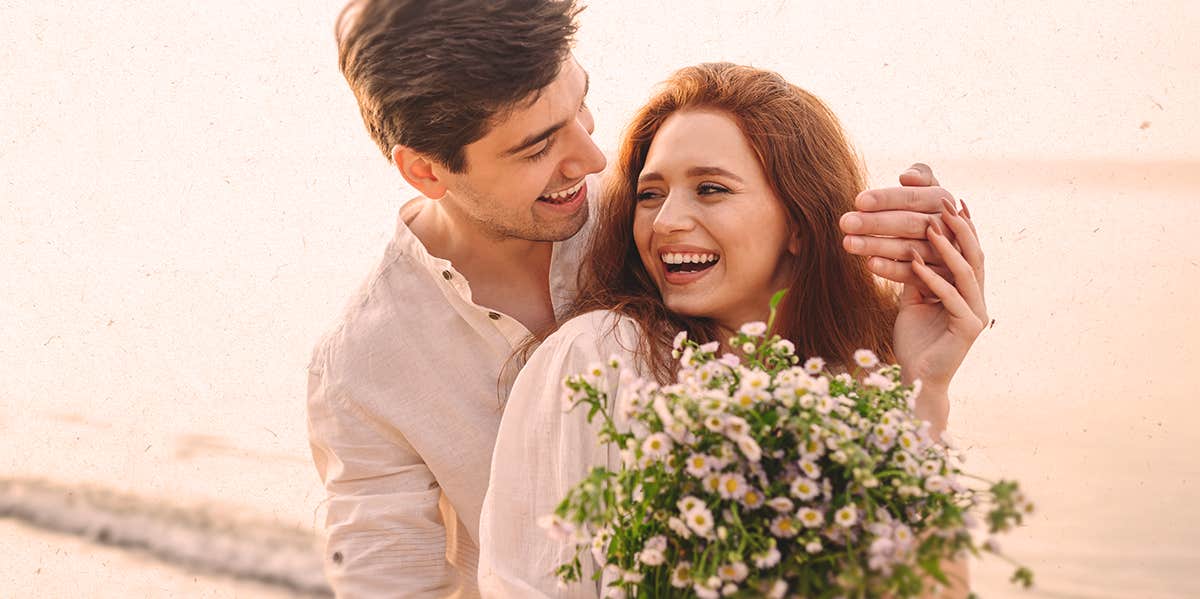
(560, 196)
(686, 258)
(689, 262)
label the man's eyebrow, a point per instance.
(695, 171)
(537, 138)
(534, 139)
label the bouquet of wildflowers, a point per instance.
(760, 476)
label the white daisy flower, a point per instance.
(689, 503)
(814, 366)
(656, 446)
(781, 504)
(711, 347)
(866, 358)
(825, 404)
(752, 499)
(785, 347)
(805, 488)
(810, 469)
(767, 559)
(678, 527)
(754, 329)
(732, 486)
(729, 589)
(730, 360)
(652, 557)
(778, 590)
(749, 448)
(703, 592)
(737, 571)
(714, 423)
(784, 527)
(557, 528)
(810, 518)
(936, 484)
(680, 337)
(747, 348)
(847, 516)
(736, 427)
(813, 546)
(712, 483)
(698, 464)
(681, 576)
(700, 520)
(931, 467)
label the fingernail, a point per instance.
(936, 227)
(966, 210)
(912, 171)
(916, 256)
(851, 222)
(949, 206)
(856, 243)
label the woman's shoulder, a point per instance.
(600, 331)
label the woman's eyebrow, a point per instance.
(699, 171)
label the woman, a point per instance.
(728, 188)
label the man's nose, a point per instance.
(586, 157)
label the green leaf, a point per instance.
(777, 298)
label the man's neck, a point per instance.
(511, 276)
(450, 237)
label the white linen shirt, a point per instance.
(542, 451)
(404, 401)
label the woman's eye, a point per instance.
(711, 188)
(646, 195)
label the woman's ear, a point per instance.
(419, 171)
(793, 245)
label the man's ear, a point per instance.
(419, 171)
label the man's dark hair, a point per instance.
(435, 75)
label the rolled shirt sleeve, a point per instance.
(384, 530)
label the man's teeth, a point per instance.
(688, 258)
(564, 194)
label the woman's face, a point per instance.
(708, 227)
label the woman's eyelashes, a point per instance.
(703, 189)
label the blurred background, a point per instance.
(188, 195)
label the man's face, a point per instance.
(524, 179)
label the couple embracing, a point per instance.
(434, 405)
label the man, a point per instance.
(480, 107)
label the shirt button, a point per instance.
(493, 316)
(446, 275)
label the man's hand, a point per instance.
(891, 222)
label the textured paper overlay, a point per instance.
(188, 195)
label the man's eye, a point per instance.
(540, 153)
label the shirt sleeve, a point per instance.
(384, 533)
(541, 453)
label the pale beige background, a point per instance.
(187, 195)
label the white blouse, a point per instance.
(541, 452)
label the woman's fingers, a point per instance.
(901, 271)
(952, 300)
(965, 273)
(967, 239)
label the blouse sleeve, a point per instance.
(541, 452)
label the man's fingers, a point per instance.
(894, 223)
(913, 199)
(918, 175)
